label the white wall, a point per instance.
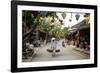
(5, 36)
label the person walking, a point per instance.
(53, 46)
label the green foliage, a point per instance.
(38, 18)
(29, 17)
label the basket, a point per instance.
(50, 50)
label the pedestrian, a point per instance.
(53, 46)
(63, 44)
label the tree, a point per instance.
(65, 31)
(37, 20)
(45, 25)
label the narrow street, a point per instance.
(66, 53)
(42, 26)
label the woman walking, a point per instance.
(53, 46)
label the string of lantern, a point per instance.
(77, 15)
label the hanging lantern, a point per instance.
(61, 21)
(63, 15)
(77, 16)
(70, 18)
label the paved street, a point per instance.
(66, 53)
(52, 25)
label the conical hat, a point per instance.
(53, 39)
